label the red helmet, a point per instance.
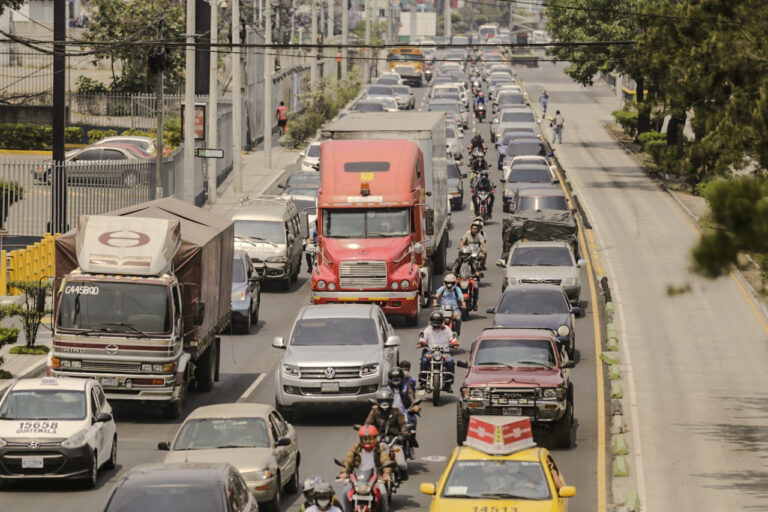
(368, 437)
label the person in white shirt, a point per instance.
(437, 334)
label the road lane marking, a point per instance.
(248, 392)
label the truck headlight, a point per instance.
(146, 367)
(259, 474)
(66, 363)
(77, 364)
(395, 285)
(238, 295)
(563, 330)
(369, 369)
(277, 259)
(76, 440)
(291, 371)
(331, 286)
(321, 284)
(477, 393)
(405, 284)
(570, 281)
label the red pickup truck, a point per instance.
(518, 372)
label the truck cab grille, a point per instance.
(363, 274)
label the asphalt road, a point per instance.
(247, 365)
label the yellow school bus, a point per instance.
(410, 60)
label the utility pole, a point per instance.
(344, 37)
(447, 20)
(58, 171)
(213, 102)
(511, 16)
(314, 52)
(268, 67)
(330, 29)
(188, 191)
(368, 51)
(414, 32)
(237, 100)
(160, 111)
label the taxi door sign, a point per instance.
(499, 435)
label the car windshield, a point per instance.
(444, 107)
(517, 117)
(533, 301)
(214, 433)
(301, 191)
(453, 171)
(43, 404)
(314, 150)
(471, 479)
(238, 271)
(542, 203)
(372, 223)
(449, 133)
(541, 256)
(529, 176)
(369, 106)
(165, 498)
(334, 331)
(515, 353)
(526, 147)
(400, 89)
(378, 90)
(126, 308)
(303, 178)
(511, 135)
(260, 230)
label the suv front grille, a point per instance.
(339, 372)
(541, 281)
(363, 274)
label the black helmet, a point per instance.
(385, 397)
(396, 377)
(436, 319)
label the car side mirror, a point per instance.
(302, 154)
(495, 120)
(463, 175)
(392, 341)
(576, 310)
(462, 364)
(199, 313)
(569, 364)
(417, 248)
(284, 441)
(103, 417)
(429, 489)
(255, 278)
(164, 445)
(556, 181)
(491, 311)
(503, 180)
(500, 263)
(280, 185)
(581, 263)
(566, 491)
(278, 342)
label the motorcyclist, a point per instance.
(409, 380)
(473, 236)
(483, 183)
(324, 499)
(465, 258)
(477, 142)
(310, 491)
(405, 396)
(437, 334)
(479, 100)
(367, 454)
(388, 419)
(450, 295)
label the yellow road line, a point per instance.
(744, 293)
(590, 252)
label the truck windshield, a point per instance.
(126, 308)
(260, 231)
(373, 223)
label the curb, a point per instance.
(30, 371)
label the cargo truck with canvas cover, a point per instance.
(141, 295)
(412, 191)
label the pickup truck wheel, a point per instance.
(462, 421)
(562, 429)
(206, 369)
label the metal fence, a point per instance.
(120, 110)
(92, 188)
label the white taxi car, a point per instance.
(56, 428)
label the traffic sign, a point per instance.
(209, 153)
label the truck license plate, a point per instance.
(512, 411)
(32, 463)
(109, 382)
(329, 387)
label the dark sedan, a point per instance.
(538, 306)
(246, 293)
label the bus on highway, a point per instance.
(402, 58)
(489, 31)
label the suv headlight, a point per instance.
(557, 393)
(563, 330)
(259, 474)
(369, 369)
(76, 440)
(291, 370)
(277, 259)
(512, 281)
(238, 295)
(571, 281)
(477, 393)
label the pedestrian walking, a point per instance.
(543, 100)
(282, 118)
(557, 127)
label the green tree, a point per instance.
(12, 4)
(33, 309)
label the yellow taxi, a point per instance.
(499, 469)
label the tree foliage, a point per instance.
(34, 307)
(11, 4)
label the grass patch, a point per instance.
(5, 374)
(35, 350)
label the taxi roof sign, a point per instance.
(49, 381)
(499, 435)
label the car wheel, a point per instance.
(293, 486)
(273, 505)
(462, 422)
(206, 369)
(562, 429)
(93, 474)
(112, 462)
(255, 314)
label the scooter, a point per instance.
(480, 112)
(483, 205)
(364, 494)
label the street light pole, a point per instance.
(237, 101)
(447, 20)
(314, 51)
(368, 51)
(344, 37)
(160, 111)
(268, 67)
(188, 189)
(213, 102)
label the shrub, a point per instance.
(33, 309)
(96, 134)
(655, 147)
(72, 134)
(627, 119)
(33, 136)
(651, 136)
(87, 85)
(4, 374)
(32, 351)
(8, 335)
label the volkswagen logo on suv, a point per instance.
(330, 373)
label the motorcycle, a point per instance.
(435, 379)
(467, 283)
(476, 248)
(483, 204)
(480, 112)
(364, 494)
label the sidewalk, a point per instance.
(21, 365)
(257, 179)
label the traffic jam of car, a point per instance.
(147, 293)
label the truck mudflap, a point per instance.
(394, 303)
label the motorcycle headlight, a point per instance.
(363, 489)
(570, 281)
(563, 330)
(238, 295)
(291, 370)
(437, 355)
(277, 259)
(405, 284)
(369, 369)
(259, 474)
(76, 440)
